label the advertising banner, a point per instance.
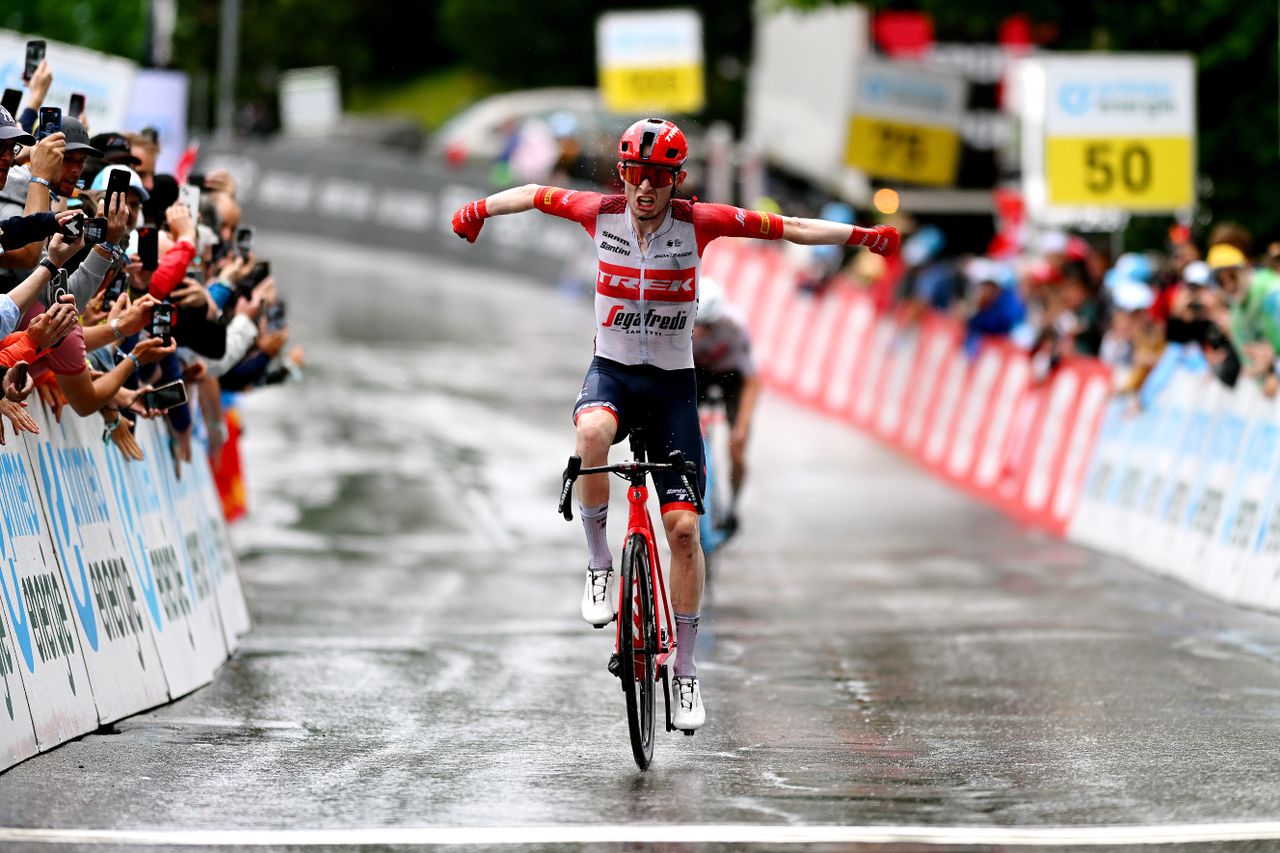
(40, 616)
(89, 542)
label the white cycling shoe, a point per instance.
(688, 713)
(597, 597)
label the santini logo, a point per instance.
(609, 247)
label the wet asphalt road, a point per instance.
(877, 649)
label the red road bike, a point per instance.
(645, 631)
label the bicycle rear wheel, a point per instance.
(638, 647)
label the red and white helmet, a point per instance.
(653, 140)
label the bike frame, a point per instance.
(638, 521)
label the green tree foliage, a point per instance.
(1234, 44)
(116, 28)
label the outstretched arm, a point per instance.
(579, 206)
(881, 239)
(469, 219)
(514, 200)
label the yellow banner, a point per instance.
(918, 153)
(1134, 173)
(677, 88)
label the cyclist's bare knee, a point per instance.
(682, 531)
(596, 429)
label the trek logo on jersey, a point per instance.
(620, 318)
(619, 282)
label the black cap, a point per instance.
(78, 137)
(115, 148)
(11, 131)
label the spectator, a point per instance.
(1254, 299)
(996, 308)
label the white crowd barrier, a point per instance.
(119, 585)
(1189, 487)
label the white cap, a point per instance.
(1128, 295)
(1197, 272)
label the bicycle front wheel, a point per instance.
(638, 647)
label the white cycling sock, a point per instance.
(593, 522)
(686, 637)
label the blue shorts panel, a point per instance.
(663, 403)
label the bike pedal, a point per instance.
(615, 666)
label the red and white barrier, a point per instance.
(987, 424)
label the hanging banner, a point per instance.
(651, 61)
(904, 122)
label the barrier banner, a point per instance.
(17, 731)
(232, 605)
(975, 402)
(1001, 420)
(1208, 493)
(88, 540)
(796, 332)
(895, 382)
(153, 543)
(940, 339)
(1183, 470)
(1094, 382)
(1233, 541)
(723, 260)
(769, 309)
(945, 411)
(869, 379)
(200, 556)
(50, 663)
(185, 583)
(746, 290)
(814, 352)
(853, 341)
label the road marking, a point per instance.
(736, 833)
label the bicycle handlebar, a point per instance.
(631, 468)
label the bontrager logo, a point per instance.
(620, 318)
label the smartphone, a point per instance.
(56, 287)
(189, 194)
(49, 122)
(73, 228)
(149, 247)
(196, 179)
(11, 101)
(166, 396)
(261, 272)
(18, 374)
(244, 240)
(117, 183)
(35, 53)
(162, 321)
(276, 316)
(75, 109)
(114, 289)
(95, 231)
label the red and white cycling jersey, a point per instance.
(645, 303)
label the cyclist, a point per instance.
(648, 248)
(722, 359)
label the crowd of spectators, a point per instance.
(122, 291)
(1212, 307)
